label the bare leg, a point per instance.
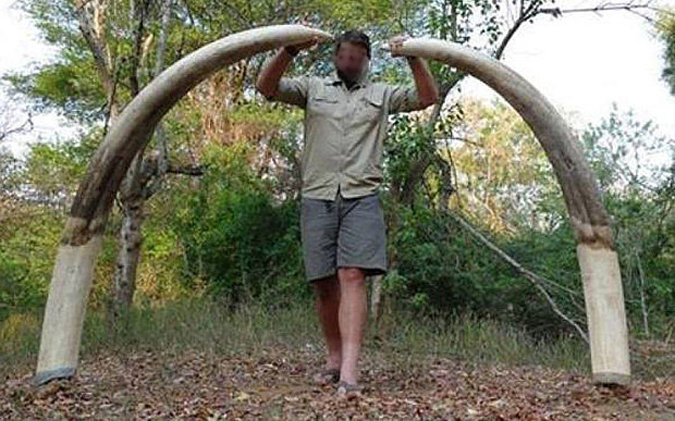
(327, 305)
(353, 317)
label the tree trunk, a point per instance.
(376, 301)
(133, 192)
(643, 301)
(130, 238)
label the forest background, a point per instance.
(206, 225)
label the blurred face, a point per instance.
(351, 59)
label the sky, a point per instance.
(19, 50)
(582, 62)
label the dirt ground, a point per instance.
(277, 385)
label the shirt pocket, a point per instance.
(323, 103)
(372, 105)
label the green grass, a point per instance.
(480, 340)
(208, 325)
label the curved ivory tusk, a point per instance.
(138, 120)
(81, 237)
(590, 221)
(587, 214)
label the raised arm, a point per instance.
(427, 91)
(268, 79)
(424, 81)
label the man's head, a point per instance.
(352, 54)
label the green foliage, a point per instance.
(442, 269)
(37, 191)
(408, 142)
(12, 293)
(626, 154)
(54, 168)
(509, 193)
(356, 13)
(503, 173)
(9, 170)
(551, 255)
(29, 244)
(235, 236)
(436, 275)
(666, 31)
(71, 85)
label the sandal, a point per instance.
(327, 375)
(344, 388)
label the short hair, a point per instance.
(354, 36)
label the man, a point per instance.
(343, 230)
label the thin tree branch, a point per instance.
(185, 170)
(536, 280)
(5, 133)
(557, 12)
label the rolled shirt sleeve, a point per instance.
(403, 98)
(291, 91)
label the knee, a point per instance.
(351, 275)
(326, 288)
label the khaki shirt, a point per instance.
(344, 131)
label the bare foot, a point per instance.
(349, 389)
(327, 375)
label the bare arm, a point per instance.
(427, 90)
(424, 81)
(268, 79)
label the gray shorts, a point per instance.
(347, 232)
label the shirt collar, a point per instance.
(362, 82)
